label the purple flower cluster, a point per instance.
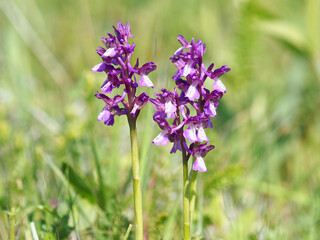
(185, 116)
(116, 56)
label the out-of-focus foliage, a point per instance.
(70, 175)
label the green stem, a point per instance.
(137, 195)
(186, 219)
(193, 193)
(128, 232)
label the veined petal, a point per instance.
(188, 69)
(190, 134)
(99, 67)
(110, 121)
(145, 81)
(107, 88)
(199, 165)
(104, 115)
(183, 41)
(179, 63)
(170, 109)
(111, 52)
(219, 86)
(161, 139)
(178, 52)
(134, 109)
(202, 135)
(192, 92)
(210, 109)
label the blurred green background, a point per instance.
(71, 175)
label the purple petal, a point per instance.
(100, 51)
(176, 146)
(177, 75)
(219, 86)
(145, 81)
(107, 87)
(104, 115)
(178, 52)
(99, 67)
(161, 139)
(134, 109)
(105, 98)
(183, 41)
(220, 71)
(179, 63)
(118, 98)
(147, 68)
(157, 104)
(199, 165)
(110, 121)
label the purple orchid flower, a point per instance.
(200, 152)
(144, 71)
(165, 102)
(189, 126)
(116, 56)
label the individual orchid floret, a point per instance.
(116, 57)
(143, 72)
(169, 133)
(165, 102)
(199, 153)
(211, 102)
(123, 32)
(139, 103)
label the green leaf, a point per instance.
(78, 183)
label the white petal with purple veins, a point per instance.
(107, 88)
(145, 81)
(199, 165)
(178, 52)
(190, 134)
(219, 86)
(192, 92)
(210, 109)
(170, 109)
(202, 135)
(104, 115)
(161, 139)
(134, 109)
(179, 64)
(99, 67)
(111, 52)
(187, 69)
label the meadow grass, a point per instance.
(64, 175)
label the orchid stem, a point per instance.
(193, 193)
(186, 219)
(137, 195)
